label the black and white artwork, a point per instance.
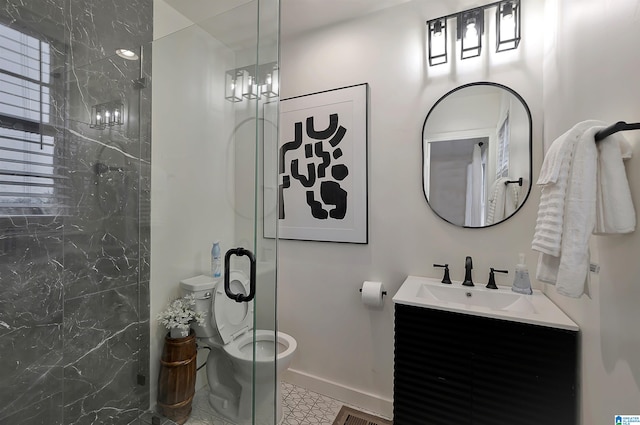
(322, 166)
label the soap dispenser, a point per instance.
(521, 281)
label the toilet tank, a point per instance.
(202, 288)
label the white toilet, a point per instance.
(228, 331)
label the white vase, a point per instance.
(176, 333)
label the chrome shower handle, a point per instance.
(252, 278)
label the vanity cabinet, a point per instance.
(454, 368)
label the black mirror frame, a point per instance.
(528, 111)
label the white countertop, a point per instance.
(501, 303)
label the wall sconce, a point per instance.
(250, 88)
(252, 82)
(233, 86)
(106, 114)
(271, 87)
(437, 33)
(508, 25)
(470, 29)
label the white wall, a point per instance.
(344, 348)
(192, 170)
(468, 110)
(591, 73)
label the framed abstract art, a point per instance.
(321, 166)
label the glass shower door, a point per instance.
(254, 144)
(212, 81)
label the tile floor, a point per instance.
(300, 407)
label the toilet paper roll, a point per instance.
(372, 293)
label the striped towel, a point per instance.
(566, 216)
(503, 200)
(554, 177)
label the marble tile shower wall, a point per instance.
(74, 288)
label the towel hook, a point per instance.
(519, 181)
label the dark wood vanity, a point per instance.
(455, 368)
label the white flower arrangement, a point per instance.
(180, 314)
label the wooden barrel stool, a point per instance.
(177, 378)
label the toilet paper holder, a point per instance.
(383, 292)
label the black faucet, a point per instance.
(468, 266)
(445, 279)
(492, 278)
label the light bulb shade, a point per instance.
(106, 114)
(271, 86)
(250, 89)
(470, 30)
(276, 79)
(507, 25)
(437, 41)
(233, 86)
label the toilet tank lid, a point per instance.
(198, 283)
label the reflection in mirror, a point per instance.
(477, 155)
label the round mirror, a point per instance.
(477, 155)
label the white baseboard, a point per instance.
(352, 396)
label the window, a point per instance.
(30, 182)
(502, 161)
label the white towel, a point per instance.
(554, 178)
(568, 209)
(503, 200)
(495, 210)
(580, 217)
(511, 196)
(614, 208)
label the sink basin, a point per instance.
(499, 303)
(478, 297)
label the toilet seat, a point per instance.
(232, 319)
(269, 344)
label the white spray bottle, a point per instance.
(216, 260)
